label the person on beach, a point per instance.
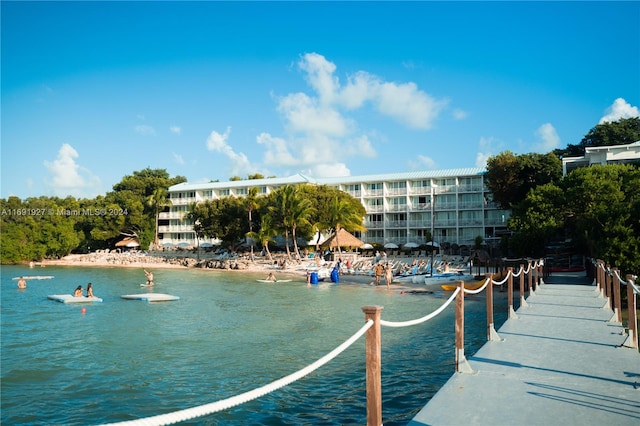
(149, 276)
(78, 291)
(378, 272)
(90, 290)
(389, 275)
(271, 277)
(22, 283)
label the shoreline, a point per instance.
(165, 261)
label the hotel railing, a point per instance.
(530, 278)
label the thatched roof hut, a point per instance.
(129, 242)
(344, 239)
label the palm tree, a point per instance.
(252, 204)
(265, 234)
(342, 216)
(158, 199)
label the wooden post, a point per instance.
(617, 310)
(462, 366)
(523, 302)
(632, 340)
(492, 336)
(530, 280)
(374, 366)
(512, 312)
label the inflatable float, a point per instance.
(67, 298)
(150, 297)
(272, 281)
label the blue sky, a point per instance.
(94, 91)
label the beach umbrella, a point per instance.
(433, 244)
(411, 245)
(391, 246)
(167, 244)
(184, 245)
(206, 245)
(366, 246)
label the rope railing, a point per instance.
(608, 285)
(371, 328)
(202, 410)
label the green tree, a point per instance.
(265, 234)
(621, 132)
(158, 199)
(510, 177)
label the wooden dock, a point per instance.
(562, 361)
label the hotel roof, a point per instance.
(298, 178)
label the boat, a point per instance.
(68, 298)
(467, 285)
(447, 278)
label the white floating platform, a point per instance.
(67, 298)
(272, 281)
(151, 297)
(35, 277)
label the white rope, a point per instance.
(504, 280)
(486, 282)
(202, 410)
(423, 319)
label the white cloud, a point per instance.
(277, 153)
(487, 147)
(178, 158)
(144, 130)
(322, 133)
(240, 164)
(618, 110)
(549, 139)
(459, 114)
(68, 177)
(422, 162)
(175, 129)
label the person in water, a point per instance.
(149, 276)
(90, 290)
(22, 283)
(78, 292)
(271, 277)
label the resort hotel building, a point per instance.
(455, 206)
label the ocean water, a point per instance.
(228, 334)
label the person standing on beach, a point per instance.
(378, 271)
(22, 283)
(149, 276)
(389, 275)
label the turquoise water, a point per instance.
(228, 334)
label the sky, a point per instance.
(93, 91)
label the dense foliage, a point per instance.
(510, 177)
(51, 227)
(621, 132)
(292, 211)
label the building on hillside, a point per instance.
(400, 208)
(603, 155)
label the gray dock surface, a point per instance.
(560, 363)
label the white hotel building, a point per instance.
(400, 207)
